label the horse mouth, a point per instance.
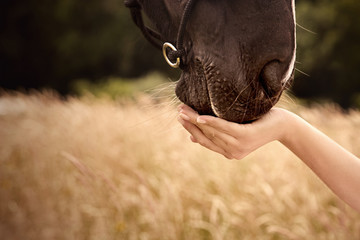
(193, 89)
(241, 98)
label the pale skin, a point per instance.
(336, 167)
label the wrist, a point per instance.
(292, 127)
(286, 126)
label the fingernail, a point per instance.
(200, 120)
(193, 139)
(180, 107)
(185, 117)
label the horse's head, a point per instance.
(239, 54)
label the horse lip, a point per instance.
(214, 111)
(200, 102)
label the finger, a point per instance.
(185, 107)
(219, 138)
(189, 112)
(222, 125)
(199, 137)
(193, 139)
(215, 122)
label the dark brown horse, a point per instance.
(239, 57)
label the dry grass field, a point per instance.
(103, 169)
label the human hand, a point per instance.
(233, 140)
(336, 166)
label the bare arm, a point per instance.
(337, 167)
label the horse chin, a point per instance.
(231, 108)
(209, 92)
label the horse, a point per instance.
(236, 56)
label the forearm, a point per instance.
(337, 167)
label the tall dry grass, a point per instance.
(97, 169)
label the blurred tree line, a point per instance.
(52, 43)
(330, 52)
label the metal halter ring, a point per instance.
(165, 47)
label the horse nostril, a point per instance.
(270, 79)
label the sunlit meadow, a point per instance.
(99, 168)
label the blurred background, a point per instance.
(113, 168)
(68, 45)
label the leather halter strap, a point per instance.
(172, 55)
